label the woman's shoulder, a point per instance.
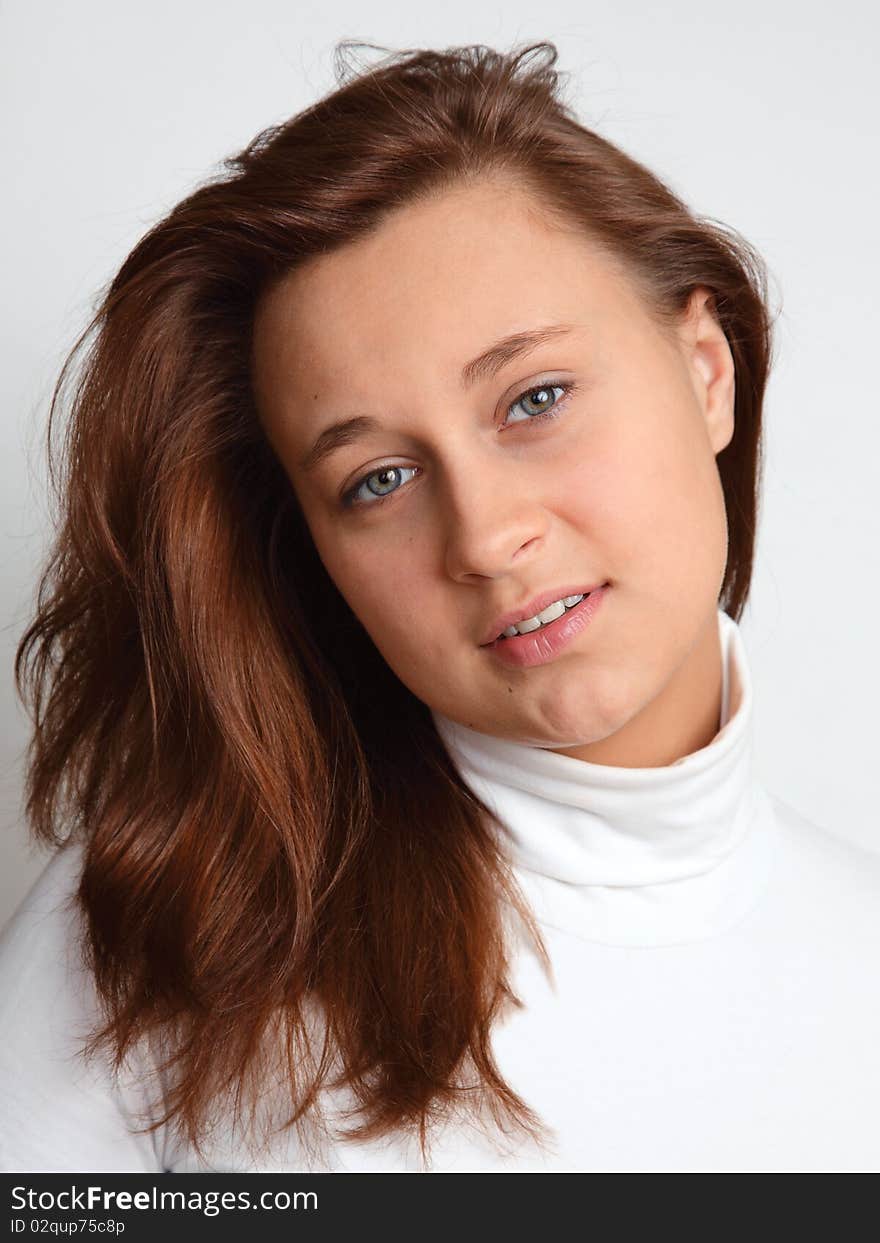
(832, 843)
(38, 943)
(61, 1113)
(832, 870)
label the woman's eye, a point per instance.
(538, 402)
(539, 397)
(387, 476)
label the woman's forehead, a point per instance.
(432, 287)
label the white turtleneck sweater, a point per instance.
(715, 1003)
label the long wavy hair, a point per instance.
(285, 879)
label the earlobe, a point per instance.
(716, 366)
(722, 434)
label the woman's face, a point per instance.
(486, 505)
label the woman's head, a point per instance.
(455, 503)
(232, 673)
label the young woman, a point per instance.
(393, 724)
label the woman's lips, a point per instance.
(535, 606)
(548, 641)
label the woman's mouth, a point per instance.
(541, 641)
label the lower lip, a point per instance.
(541, 646)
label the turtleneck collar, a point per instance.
(633, 856)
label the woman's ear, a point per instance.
(707, 353)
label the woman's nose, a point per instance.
(487, 525)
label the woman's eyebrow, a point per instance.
(507, 348)
(487, 363)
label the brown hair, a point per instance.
(268, 817)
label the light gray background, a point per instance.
(763, 115)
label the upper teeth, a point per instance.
(549, 614)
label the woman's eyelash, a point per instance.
(568, 389)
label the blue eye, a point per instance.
(543, 392)
(382, 473)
